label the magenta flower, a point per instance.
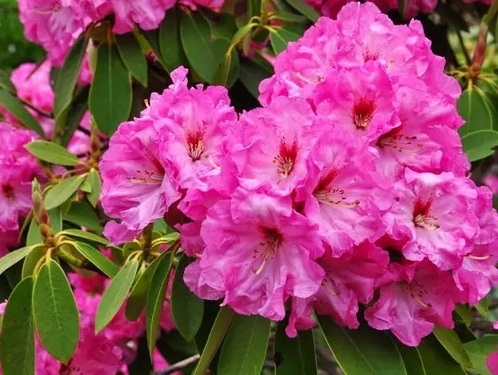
(418, 297)
(259, 252)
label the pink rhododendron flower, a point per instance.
(259, 252)
(428, 214)
(492, 363)
(418, 297)
(17, 169)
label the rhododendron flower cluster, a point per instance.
(348, 188)
(331, 8)
(107, 352)
(17, 169)
(56, 24)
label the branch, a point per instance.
(178, 366)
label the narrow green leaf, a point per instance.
(294, 356)
(115, 294)
(13, 257)
(482, 307)
(478, 350)
(31, 260)
(34, 236)
(220, 328)
(5, 82)
(55, 216)
(93, 180)
(251, 75)
(17, 337)
(411, 359)
(52, 153)
(86, 236)
(138, 295)
(476, 111)
(110, 94)
(186, 308)
(244, 348)
(203, 52)
(133, 56)
(67, 123)
(155, 299)
(169, 41)
(436, 359)
(479, 144)
(97, 258)
(62, 191)
(17, 109)
(450, 341)
(55, 312)
(362, 351)
(228, 71)
(83, 215)
(304, 9)
(68, 76)
(280, 38)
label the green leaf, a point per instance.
(279, 38)
(304, 9)
(244, 348)
(479, 350)
(450, 341)
(228, 71)
(52, 153)
(251, 75)
(294, 356)
(110, 94)
(93, 180)
(55, 312)
(34, 236)
(203, 52)
(483, 307)
(68, 76)
(55, 216)
(138, 295)
(61, 192)
(115, 294)
(5, 82)
(17, 337)
(169, 41)
(220, 327)
(155, 299)
(476, 111)
(31, 260)
(436, 359)
(86, 236)
(479, 144)
(186, 308)
(133, 56)
(83, 215)
(411, 359)
(13, 257)
(97, 258)
(17, 109)
(67, 123)
(362, 351)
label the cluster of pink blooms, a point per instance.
(330, 8)
(56, 24)
(108, 352)
(348, 187)
(18, 167)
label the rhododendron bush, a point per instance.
(250, 187)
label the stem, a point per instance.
(462, 46)
(493, 10)
(179, 365)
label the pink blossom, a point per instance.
(258, 253)
(17, 169)
(343, 195)
(428, 214)
(32, 85)
(418, 297)
(135, 188)
(492, 363)
(148, 14)
(270, 146)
